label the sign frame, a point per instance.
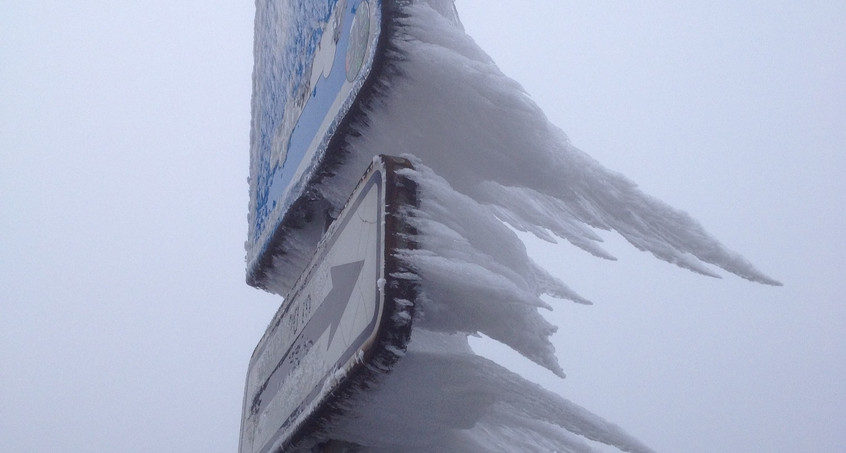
(283, 406)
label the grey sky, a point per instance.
(125, 324)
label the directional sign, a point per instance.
(346, 311)
(312, 60)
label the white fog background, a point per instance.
(125, 322)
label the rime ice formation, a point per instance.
(443, 397)
(451, 107)
(486, 156)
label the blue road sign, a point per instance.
(311, 61)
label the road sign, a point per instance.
(346, 317)
(312, 61)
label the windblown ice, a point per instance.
(475, 273)
(442, 397)
(486, 156)
(452, 108)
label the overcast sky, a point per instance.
(125, 322)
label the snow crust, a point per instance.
(486, 158)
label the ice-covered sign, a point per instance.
(346, 316)
(312, 59)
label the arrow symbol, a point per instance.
(326, 317)
(328, 314)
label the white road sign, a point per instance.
(332, 320)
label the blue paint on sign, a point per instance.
(311, 59)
